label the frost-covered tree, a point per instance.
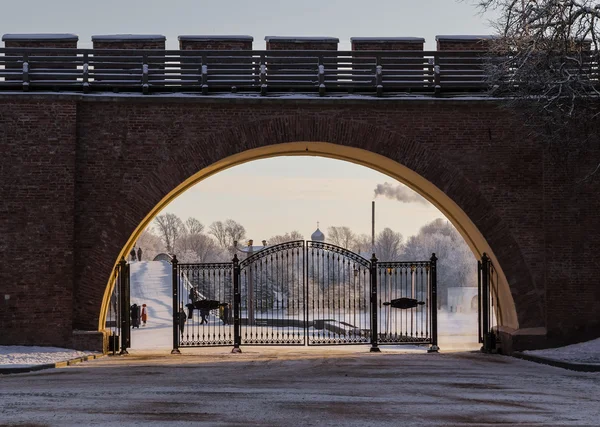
(457, 267)
(544, 63)
(287, 237)
(388, 245)
(341, 236)
(227, 233)
(150, 243)
(170, 228)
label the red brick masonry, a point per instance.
(78, 173)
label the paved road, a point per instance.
(301, 387)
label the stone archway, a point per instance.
(388, 153)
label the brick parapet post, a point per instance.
(129, 41)
(57, 40)
(127, 71)
(301, 43)
(50, 40)
(200, 42)
(387, 43)
(467, 42)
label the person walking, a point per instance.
(144, 315)
(139, 254)
(182, 319)
(132, 253)
(225, 314)
(135, 316)
(204, 312)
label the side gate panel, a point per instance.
(403, 302)
(273, 296)
(338, 295)
(205, 304)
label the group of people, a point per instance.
(136, 256)
(139, 315)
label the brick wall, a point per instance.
(126, 161)
(37, 189)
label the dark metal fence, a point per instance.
(273, 296)
(338, 303)
(118, 314)
(298, 293)
(146, 71)
(406, 302)
(203, 297)
(488, 304)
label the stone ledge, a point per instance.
(573, 366)
(63, 364)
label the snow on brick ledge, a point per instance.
(464, 38)
(213, 38)
(129, 38)
(387, 39)
(50, 37)
(280, 39)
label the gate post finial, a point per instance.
(374, 317)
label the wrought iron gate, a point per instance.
(488, 304)
(338, 288)
(118, 317)
(304, 293)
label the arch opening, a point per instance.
(506, 316)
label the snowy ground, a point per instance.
(25, 356)
(585, 352)
(270, 386)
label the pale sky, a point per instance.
(277, 195)
(257, 18)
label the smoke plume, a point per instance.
(399, 192)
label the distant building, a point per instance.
(317, 236)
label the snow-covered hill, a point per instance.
(151, 284)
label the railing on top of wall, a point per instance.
(160, 71)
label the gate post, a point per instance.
(433, 301)
(236, 306)
(175, 277)
(124, 296)
(486, 334)
(374, 331)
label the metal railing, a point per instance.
(322, 72)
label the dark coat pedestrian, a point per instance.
(226, 314)
(204, 312)
(132, 253)
(139, 254)
(135, 316)
(182, 319)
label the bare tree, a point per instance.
(341, 236)
(193, 226)
(227, 232)
(545, 63)
(170, 228)
(287, 237)
(150, 243)
(235, 231)
(363, 245)
(388, 245)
